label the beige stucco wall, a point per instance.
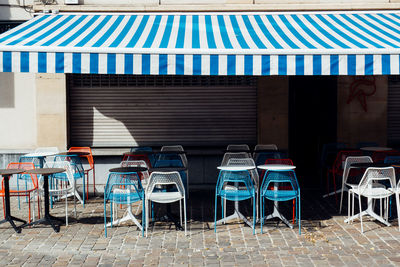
(17, 111)
(354, 123)
(51, 106)
(273, 111)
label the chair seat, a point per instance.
(280, 195)
(376, 192)
(165, 197)
(236, 194)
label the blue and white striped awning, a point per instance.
(340, 43)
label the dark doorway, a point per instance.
(312, 123)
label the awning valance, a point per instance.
(330, 43)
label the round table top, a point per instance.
(73, 153)
(46, 171)
(11, 171)
(276, 167)
(236, 168)
(167, 169)
(40, 154)
(128, 169)
(371, 164)
(375, 148)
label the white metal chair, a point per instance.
(162, 179)
(179, 148)
(346, 170)
(61, 186)
(265, 147)
(234, 155)
(376, 183)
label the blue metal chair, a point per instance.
(77, 171)
(244, 189)
(270, 192)
(123, 188)
(151, 157)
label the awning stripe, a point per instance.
(347, 43)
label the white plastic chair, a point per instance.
(372, 186)
(346, 170)
(67, 187)
(162, 179)
(179, 148)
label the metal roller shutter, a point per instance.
(118, 111)
(393, 130)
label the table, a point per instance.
(130, 215)
(370, 210)
(169, 217)
(375, 148)
(277, 167)
(47, 218)
(236, 214)
(6, 173)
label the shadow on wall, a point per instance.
(7, 90)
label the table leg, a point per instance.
(8, 217)
(236, 215)
(369, 211)
(129, 216)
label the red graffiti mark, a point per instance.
(360, 89)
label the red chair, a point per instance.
(286, 162)
(337, 169)
(90, 160)
(26, 192)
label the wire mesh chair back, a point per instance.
(260, 157)
(376, 182)
(279, 161)
(165, 178)
(238, 148)
(351, 160)
(233, 155)
(30, 159)
(243, 190)
(392, 160)
(25, 176)
(246, 162)
(75, 165)
(67, 175)
(138, 163)
(177, 148)
(141, 148)
(287, 176)
(123, 188)
(341, 158)
(265, 147)
(86, 149)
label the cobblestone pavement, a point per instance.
(325, 241)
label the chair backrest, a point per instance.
(233, 155)
(353, 159)
(68, 174)
(175, 148)
(265, 147)
(165, 178)
(25, 166)
(279, 161)
(84, 149)
(75, 162)
(341, 158)
(138, 163)
(261, 156)
(141, 148)
(128, 180)
(246, 162)
(238, 148)
(329, 152)
(374, 176)
(29, 159)
(287, 176)
(392, 159)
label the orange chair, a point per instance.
(286, 162)
(27, 191)
(91, 166)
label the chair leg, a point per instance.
(254, 214)
(184, 214)
(180, 211)
(94, 182)
(261, 212)
(143, 215)
(215, 214)
(66, 210)
(359, 204)
(105, 218)
(147, 215)
(299, 215)
(398, 209)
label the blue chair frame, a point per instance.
(281, 176)
(123, 180)
(237, 177)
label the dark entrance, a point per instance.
(312, 123)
